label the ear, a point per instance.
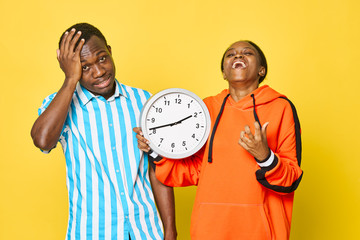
(262, 71)
(109, 48)
(224, 75)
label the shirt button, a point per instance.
(122, 193)
(117, 170)
(113, 148)
(110, 124)
(126, 217)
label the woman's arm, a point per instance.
(175, 173)
(279, 167)
(164, 198)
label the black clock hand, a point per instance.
(166, 125)
(171, 124)
(182, 120)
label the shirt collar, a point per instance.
(86, 96)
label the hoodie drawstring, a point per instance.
(255, 114)
(215, 127)
(217, 123)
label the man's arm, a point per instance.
(47, 127)
(164, 197)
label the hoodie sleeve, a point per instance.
(282, 173)
(180, 172)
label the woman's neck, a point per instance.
(238, 92)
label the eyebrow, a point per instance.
(243, 48)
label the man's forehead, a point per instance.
(94, 46)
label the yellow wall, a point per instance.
(313, 55)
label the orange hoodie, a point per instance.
(237, 196)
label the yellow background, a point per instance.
(312, 48)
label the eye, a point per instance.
(85, 67)
(248, 53)
(102, 59)
(230, 55)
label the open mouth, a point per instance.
(238, 64)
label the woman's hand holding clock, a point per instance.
(143, 143)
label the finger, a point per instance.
(243, 144)
(257, 133)
(142, 139)
(264, 129)
(143, 147)
(248, 132)
(74, 41)
(138, 130)
(244, 139)
(79, 47)
(68, 40)
(62, 44)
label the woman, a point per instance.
(245, 185)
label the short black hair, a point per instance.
(263, 61)
(87, 31)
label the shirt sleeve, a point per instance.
(43, 107)
(180, 172)
(281, 171)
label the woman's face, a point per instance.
(242, 64)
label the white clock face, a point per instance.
(176, 122)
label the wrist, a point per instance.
(267, 161)
(265, 156)
(70, 83)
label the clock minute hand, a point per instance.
(170, 124)
(166, 125)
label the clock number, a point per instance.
(197, 125)
(178, 100)
(193, 136)
(153, 120)
(159, 110)
(190, 103)
(173, 145)
(195, 114)
(167, 102)
(154, 131)
(184, 143)
(161, 140)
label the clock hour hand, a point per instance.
(171, 124)
(182, 120)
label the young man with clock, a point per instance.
(92, 116)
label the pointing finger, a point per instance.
(257, 130)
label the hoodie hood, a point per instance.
(262, 95)
(259, 96)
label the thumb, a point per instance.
(264, 128)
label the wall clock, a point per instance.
(176, 122)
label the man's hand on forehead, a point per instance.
(69, 55)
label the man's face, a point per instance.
(98, 70)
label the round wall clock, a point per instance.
(176, 122)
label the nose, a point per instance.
(239, 55)
(98, 71)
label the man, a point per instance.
(92, 115)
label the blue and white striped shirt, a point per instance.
(110, 195)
